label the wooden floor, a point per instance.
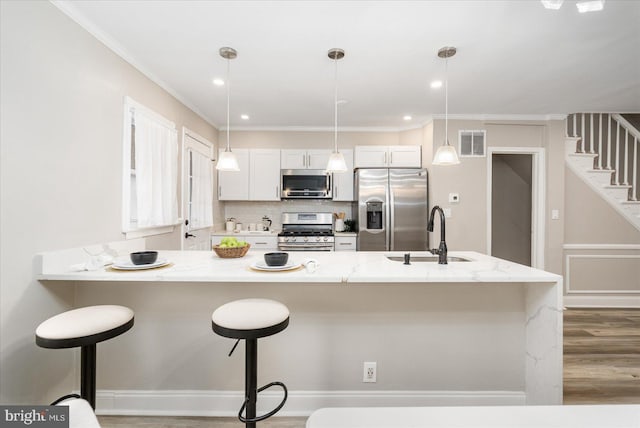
(601, 366)
(602, 356)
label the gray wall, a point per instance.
(61, 152)
(511, 207)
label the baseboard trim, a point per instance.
(599, 301)
(299, 403)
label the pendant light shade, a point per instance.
(336, 159)
(227, 160)
(446, 154)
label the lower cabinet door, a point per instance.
(345, 243)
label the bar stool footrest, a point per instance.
(271, 413)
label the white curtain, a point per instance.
(201, 211)
(156, 166)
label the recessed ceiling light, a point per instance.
(218, 82)
(244, 116)
(590, 6)
(552, 4)
(406, 117)
(436, 84)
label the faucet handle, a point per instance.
(434, 251)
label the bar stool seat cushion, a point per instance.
(250, 318)
(84, 326)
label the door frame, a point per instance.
(538, 198)
(184, 184)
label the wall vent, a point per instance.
(472, 143)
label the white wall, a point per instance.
(61, 138)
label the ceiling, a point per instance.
(515, 58)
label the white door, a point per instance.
(317, 159)
(234, 185)
(343, 181)
(264, 175)
(197, 191)
(293, 159)
(371, 156)
(405, 157)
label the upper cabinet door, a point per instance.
(317, 159)
(264, 175)
(343, 181)
(293, 159)
(371, 156)
(304, 159)
(405, 157)
(234, 185)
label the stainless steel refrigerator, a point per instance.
(392, 209)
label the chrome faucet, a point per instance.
(442, 249)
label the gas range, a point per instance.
(306, 232)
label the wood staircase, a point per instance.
(602, 149)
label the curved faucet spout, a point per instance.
(442, 248)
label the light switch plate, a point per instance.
(555, 215)
(447, 212)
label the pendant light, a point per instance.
(336, 159)
(227, 160)
(446, 154)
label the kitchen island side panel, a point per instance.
(424, 337)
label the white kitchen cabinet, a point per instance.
(257, 241)
(234, 185)
(304, 159)
(261, 242)
(264, 174)
(343, 181)
(388, 157)
(345, 243)
(405, 157)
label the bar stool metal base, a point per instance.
(251, 390)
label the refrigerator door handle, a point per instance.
(386, 222)
(392, 221)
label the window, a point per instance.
(472, 143)
(150, 165)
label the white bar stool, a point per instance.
(85, 327)
(251, 319)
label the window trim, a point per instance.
(135, 232)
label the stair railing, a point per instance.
(614, 140)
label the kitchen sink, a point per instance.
(427, 259)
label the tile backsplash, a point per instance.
(252, 212)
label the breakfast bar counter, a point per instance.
(331, 267)
(477, 332)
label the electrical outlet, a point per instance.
(370, 372)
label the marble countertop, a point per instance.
(332, 267)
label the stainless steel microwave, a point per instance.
(305, 184)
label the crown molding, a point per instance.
(509, 117)
(319, 128)
(68, 8)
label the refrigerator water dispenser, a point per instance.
(374, 215)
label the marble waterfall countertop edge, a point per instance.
(333, 267)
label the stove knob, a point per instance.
(306, 239)
(318, 239)
(326, 239)
(286, 239)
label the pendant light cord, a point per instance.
(446, 101)
(335, 104)
(228, 96)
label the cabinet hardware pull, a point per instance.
(304, 160)
(261, 243)
(335, 191)
(219, 192)
(277, 191)
(385, 158)
(345, 243)
(308, 161)
(391, 158)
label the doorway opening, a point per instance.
(515, 229)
